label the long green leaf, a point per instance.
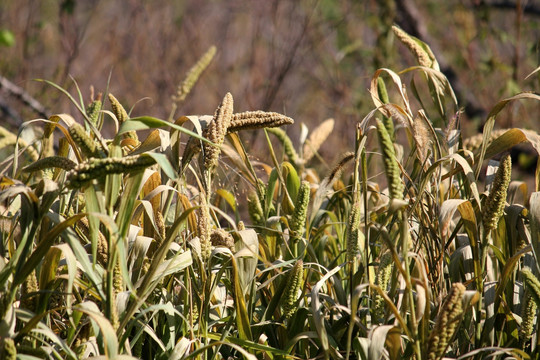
(149, 122)
(316, 310)
(242, 319)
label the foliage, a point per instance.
(132, 249)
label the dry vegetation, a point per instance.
(310, 58)
(163, 237)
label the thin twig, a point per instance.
(22, 95)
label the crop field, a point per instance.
(165, 237)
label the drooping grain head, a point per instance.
(422, 138)
(118, 279)
(288, 146)
(92, 169)
(118, 110)
(421, 55)
(250, 120)
(317, 138)
(80, 343)
(241, 226)
(338, 168)
(7, 138)
(532, 284)
(160, 225)
(184, 88)
(102, 245)
(51, 162)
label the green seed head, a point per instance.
(121, 114)
(295, 280)
(255, 209)
(92, 169)
(92, 111)
(382, 280)
(288, 146)
(447, 322)
(528, 314)
(10, 351)
(395, 185)
(29, 289)
(50, 162)
(85, 143)
(494, 206)
(118, 110)
(204, 227)
(298, 219)
(532, 284)
(118, 279)
(353, 232)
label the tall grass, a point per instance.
(131, 248)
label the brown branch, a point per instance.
(528, 8)
(22, 95)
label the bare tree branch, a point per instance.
(527, 8)
(22, 95)
(11, 118)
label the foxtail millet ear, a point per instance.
(193, 75)
(447, 322)
(92, 169)
(51, 162)
(295, 279)
(216, 131)
(288, 146)
(395, 185)
(250, 120)
(88, 146)
(494, 206)
(421, 55)
(317, 137)
(297, 225)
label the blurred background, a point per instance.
(308, 59)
